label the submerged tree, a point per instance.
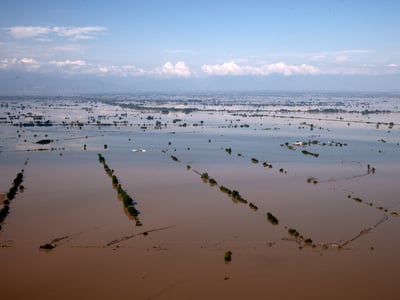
(272, 219)
(228, 256)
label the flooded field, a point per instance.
(206, 196)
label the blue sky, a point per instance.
(201, 44)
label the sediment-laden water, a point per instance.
(203, 172)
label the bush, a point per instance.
(47, 246)
(253, 206)
(305, 152)
(228, 256)
(308, 241)
(225, 190)
(293, 232)
(235, 195)
(4, 212)
(133, 211)
(101, 158)
(272, 219)
(127, 200)
(254, 160)
(204, 176)
(212, 181)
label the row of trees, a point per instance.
(128, 202)
(299, 238)
(16, 185)
(235, 195)
(359, 200)
(254, 160)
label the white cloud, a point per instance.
(76, 33)
(339, 57)
(7, 63)
(103, 69)
(28, 61)
(231, 68)
(20, 32)
(113, 70)
(36, 63)
(288, 70)
(79, 33)
(342, 58)
(179, 69)
(131, 70)
(28, 64)
(228, 68)
(69, 63)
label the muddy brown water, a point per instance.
(191, 224)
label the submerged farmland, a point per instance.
(233, 191)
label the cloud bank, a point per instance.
(231, 68)
(76, 33)
(179, 69)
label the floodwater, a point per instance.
(341, 194)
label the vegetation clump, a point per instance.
(228, 150)
(127, 201)
(132, 211)
(253, 206)
(16, 183)
(267, 165)
(4, 212)
(272, 219)
(305, 152)
(225, 190)
(293, 232)
(205, 176)
(101, 158)
(44, 142)
(47, 246)
(233, 193)
(228, 256)
(11, 195)
(236, 196)
(370, 170)
(212, 181)
(312, 180)
(308, 241)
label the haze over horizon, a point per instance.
(49, 47)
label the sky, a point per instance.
(128, 46)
